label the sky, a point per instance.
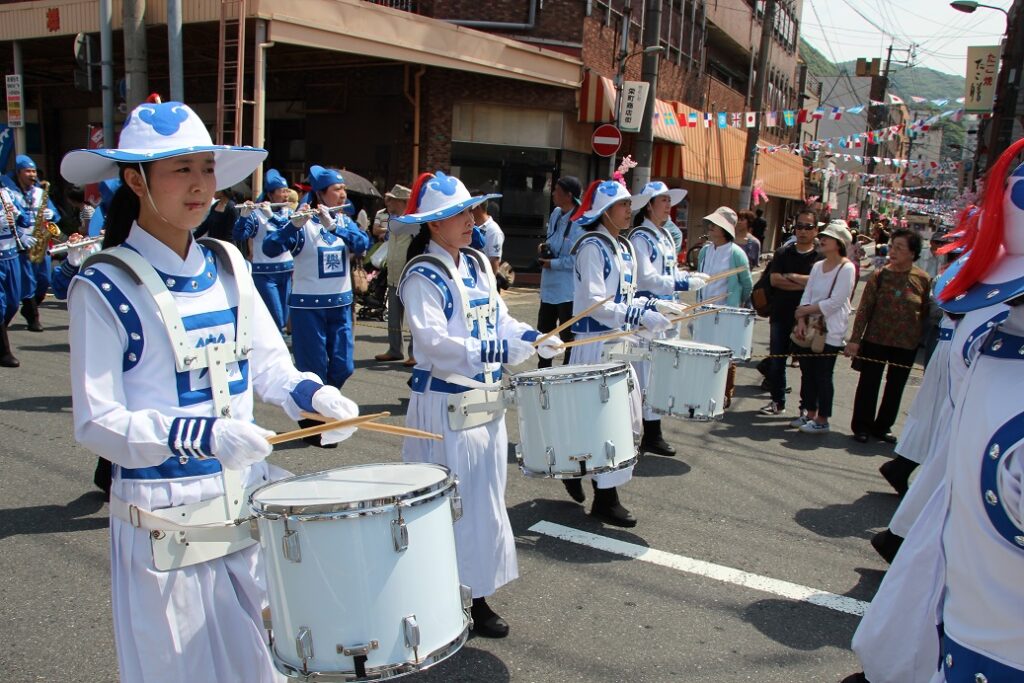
(847, 29)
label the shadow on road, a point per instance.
(59, 348)
(661, 466)
(800, 625)
(468, 664)
(854, 519)
(39, 404)
(571, 514)
(49, 519)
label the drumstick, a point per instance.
(727, 273)
(626, 333)
(570, 321)
(326, 427)
(383, 428)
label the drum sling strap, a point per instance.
(484, 401)
(185, 535)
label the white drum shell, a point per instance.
(687, 379)
(730, 327)
(351, 586)
(568, 413)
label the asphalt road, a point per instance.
(745, 493)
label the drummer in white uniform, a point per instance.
(605, 266)
(657, 277)
(169, 342)
(463, 334)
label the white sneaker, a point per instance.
(812, 427)
(772, 408)
(799, 421)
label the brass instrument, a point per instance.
(44, 231)
(9, 209)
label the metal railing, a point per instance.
(404, 5)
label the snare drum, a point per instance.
(574, 420)
(687, 379)
(361, 571)
(730, 327)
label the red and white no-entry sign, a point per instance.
(607, 140)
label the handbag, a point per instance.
(360, 282)
(816, 327)
(761, 294)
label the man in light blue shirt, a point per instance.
(556, 260)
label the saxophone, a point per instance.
(43, 230)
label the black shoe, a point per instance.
(7, 359)
(315, 439)
(856, 678)
(574, 487)
(860, 437)
(609, 510)
(653, 442)
(30, 311)
(888, 437)
(886, 544)
(102, 476)
(897, 473)
(485, 622)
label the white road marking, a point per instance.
(785, 589)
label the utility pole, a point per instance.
(627, 11)
(645, 140)
(754, 134)
(107, 71)
(20, 146)
(876, 115)
(135, 61)
(175, 70)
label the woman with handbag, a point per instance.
(887, 330)
(821, 322)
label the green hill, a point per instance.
(817, 63)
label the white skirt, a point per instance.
(920, 428)
(590, 354)
(484, 543)
(929, 478)
(201, 624)
(897, 640)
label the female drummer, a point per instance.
(605, 265)
(463, 333)
(172, 406)
(657, 278)
(272, 275)
(322, 245)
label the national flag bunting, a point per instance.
(750, 119)
(836, 114)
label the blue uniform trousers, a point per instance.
(322, 342)
(10, 287)
(275, 288)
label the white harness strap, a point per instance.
(627, 289)
(213, 521)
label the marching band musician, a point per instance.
(463, 333)
(173, 407)
(12, 243)
(605, 265)
(60, 278)
(27, 195)
(320, 303)
(272, 275)
(657, 278)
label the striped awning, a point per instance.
(597, 98)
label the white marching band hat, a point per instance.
(161, 131)
(439, 196)
(600, 196)
(656, 188)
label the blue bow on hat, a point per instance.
(440, 196)
(656, 188)
(321, 178)
(23, 161)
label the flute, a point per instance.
(64, 246)
(314, 212)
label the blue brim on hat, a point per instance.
(233, 164)
(445, 212)
(1005, 282)
(948, 274)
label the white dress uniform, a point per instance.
(454, 326)
(896, 640)
(919, 429)
(601, 270)
(132, 406)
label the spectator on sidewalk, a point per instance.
(398, 236)
(746, 241)
(556, 262)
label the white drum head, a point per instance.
(566, 371)
(691, 347)
(351, 488)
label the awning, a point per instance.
(714, 156)
(597, 105)
(364, 28)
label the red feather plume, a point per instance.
(413, 205)
(588, 200)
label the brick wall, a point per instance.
(557, 20)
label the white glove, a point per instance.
(550, 347)
(47, 214)
(245, 210)
(238, 444)
(695, 281)
(28, 240)
(78, 254)
(329, 402)
(654, 321)
(325, 217)
(519, 351)
(266, 209)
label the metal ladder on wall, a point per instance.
(231, 73)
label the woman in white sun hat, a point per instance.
(169, 341)
(606, 265)
(657, 277)
(463, 334)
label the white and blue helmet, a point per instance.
(439, 196)
(599, 197)
(656, 188)
(161, 131)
